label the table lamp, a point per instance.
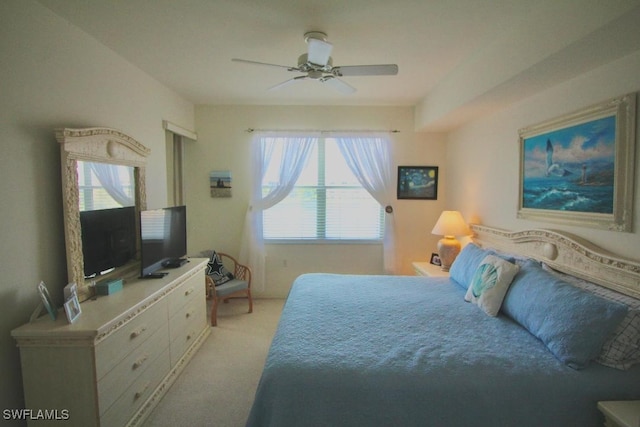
(449, 225)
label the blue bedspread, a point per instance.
(409, 351)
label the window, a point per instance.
(326, 203)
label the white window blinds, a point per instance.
(326, 203)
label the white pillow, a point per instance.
(490, 283)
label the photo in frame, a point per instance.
(47, 301)
(578, 169)
(435, 259)
(72, 308)
(417, 182)
(220, 183)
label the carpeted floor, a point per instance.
(217, 387)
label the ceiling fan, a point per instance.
(317, 65)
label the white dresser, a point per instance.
(112, 366)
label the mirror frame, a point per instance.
(100, 145)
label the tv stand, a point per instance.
(114, 364)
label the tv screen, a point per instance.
(163, 238)
(108, 239)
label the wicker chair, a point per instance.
(238, 287)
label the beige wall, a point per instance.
(54, 75)
(223, 143)
(483, 157)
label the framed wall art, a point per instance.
(578, 169)
(418, 182)
(220, 183)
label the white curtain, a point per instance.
(294, 156)
(369, 158)
(109, 177)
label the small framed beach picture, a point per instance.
(578, 169)
(220, 183)
(417, 182)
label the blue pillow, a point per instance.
(572, 323)
(466, 264)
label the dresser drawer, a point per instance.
(131, 367)
(137, 393)
(113, 349)
(185, 327)
(192, 288)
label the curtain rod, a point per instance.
(323, 130)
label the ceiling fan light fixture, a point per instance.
(319, 51)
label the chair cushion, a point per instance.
(230, 287)
(217, 271)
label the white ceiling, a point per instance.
(456, 58)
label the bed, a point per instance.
(355, 350)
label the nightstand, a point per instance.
(621, 413)
(428, 269)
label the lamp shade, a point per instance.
(451, 223)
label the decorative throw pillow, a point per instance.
(217, 271)
(490, 283)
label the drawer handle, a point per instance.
(139, 394)
(189, 313)
(188, 292)
(140, 361)
(138, 332)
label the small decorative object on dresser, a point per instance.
(72, 308)
(46, 301)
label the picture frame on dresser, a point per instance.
(577, 169)
(72, 308)
(47, 302)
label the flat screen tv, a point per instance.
(163, 239)
(108, 239)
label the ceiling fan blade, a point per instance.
(366, 70)
(264, 63)
(339, 85)
(287, 83)
(318, 51)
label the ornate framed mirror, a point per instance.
(96, 146)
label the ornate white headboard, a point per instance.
(567, 253)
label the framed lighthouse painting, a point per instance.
(578, 169)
